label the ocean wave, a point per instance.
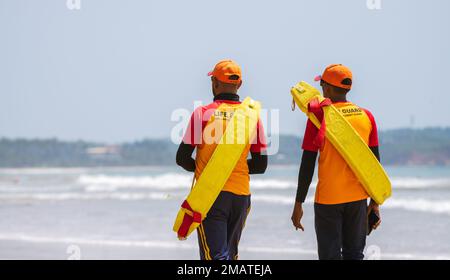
(111, 183)
(169, 181)
(42, 171)
(85, 196)
(273, 184)
(419, 183)
(422, 205)
(272, 199)
(96, 242)
(279, 199)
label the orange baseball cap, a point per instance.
(337, 75)
(227, 71)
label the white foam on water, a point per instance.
(97, 242)
(419, 183)
(183, 181)
(30, 189)
(42, 171)
(278, 199)
(186, 246)
(273, 184)
(85, 196)
(165, 181)
(111, 183)
(422, 205)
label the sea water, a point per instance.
(128, 213)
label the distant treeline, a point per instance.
(430, 146)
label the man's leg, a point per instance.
(328, 224)
(354, 230)
(212, 233)
(236, 223)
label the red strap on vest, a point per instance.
(188, 220)
(316, 108)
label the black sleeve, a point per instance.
(184, 157)
(376, 152)
(305, 174)
(257, 164)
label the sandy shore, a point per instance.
(16, 250)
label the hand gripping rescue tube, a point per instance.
(239, 130)
(333, 125)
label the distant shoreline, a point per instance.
(399, 147)
(164, 167)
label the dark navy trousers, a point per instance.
(220, 231)
(341, 230)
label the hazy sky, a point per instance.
(116, 69)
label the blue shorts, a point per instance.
(220, 231)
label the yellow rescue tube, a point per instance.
(237, 135)
(347, 142)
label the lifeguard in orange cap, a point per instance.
(219, 233)
(341, 210)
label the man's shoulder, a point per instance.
(203, 108)
(367, 111)
(368, 114)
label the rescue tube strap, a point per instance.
(189, 218)
(315, 107)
